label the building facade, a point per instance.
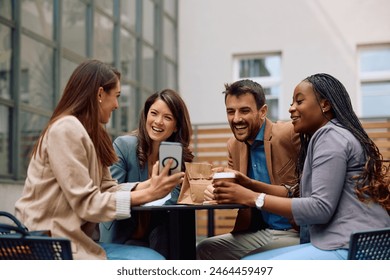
(279, 43)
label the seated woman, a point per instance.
(164, 117)
(343, 183)
(69, 188)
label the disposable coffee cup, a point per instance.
(222, 176)
(225, 176)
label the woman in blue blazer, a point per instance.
(164, 118)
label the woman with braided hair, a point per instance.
(344, 183)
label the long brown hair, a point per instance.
(80, 100)
(183, 124)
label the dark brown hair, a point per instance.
(80, 100)
(246, 86)
(183, 125)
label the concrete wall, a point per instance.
(312, 35)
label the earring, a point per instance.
(100, 100)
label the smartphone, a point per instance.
(171, 150)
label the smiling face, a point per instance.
(244, 118)
(108, 102)
(306, 112)
(160, 122)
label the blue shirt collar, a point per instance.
(260, 135)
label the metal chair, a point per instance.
(370, 245)
(17, 243)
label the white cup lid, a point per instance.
(224, 175)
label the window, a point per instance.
(374, 62)
(264, 69)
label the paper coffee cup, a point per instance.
(225, 176)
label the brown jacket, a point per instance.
(281, 145)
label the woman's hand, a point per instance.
(142, 185)
(209, 193)
(163, 183)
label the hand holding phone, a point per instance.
(170, 150)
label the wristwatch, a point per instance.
(260, 201)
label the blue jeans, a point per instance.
(129, 252)
(300, 252)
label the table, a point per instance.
(182, 227)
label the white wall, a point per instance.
(312, 35)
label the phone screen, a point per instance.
(171, 150)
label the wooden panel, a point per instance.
(380, 134)
(222, 130)
(383, 143)
(371, 125)
(212, 149)
(211, 158)
(222, 140)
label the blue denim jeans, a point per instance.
(300, 252)
(129, 252)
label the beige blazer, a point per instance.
(67, 191)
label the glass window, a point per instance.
(128, 13)
(6, 8)
(67, 68)
(128, 115)
(105, 5)
(375, 60)
(36, 84)
(38, 16)
(169, 75)
(376, 99)
(5, 62)
(103, 39)
(170, 7)
(265, 70)
(127, 55)
(39, 83)
(169, 39)
(374, 81)
(73, 26)
(148, 21)
(148, 67)
(5, 145)
(268, 66)
(31, 127)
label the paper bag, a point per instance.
(197, 177)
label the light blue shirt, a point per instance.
(257, 169)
